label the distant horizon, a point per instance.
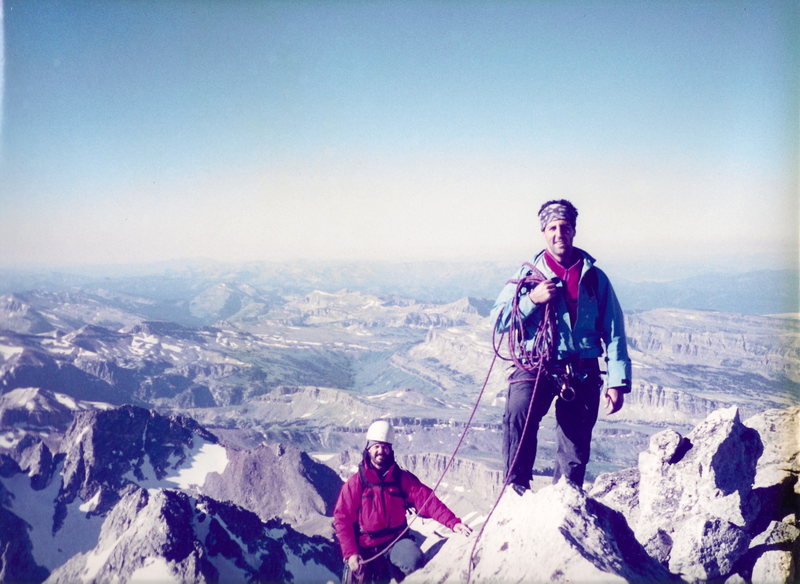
(631, 269)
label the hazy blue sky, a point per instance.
(148, 130)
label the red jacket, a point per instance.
(371, 514)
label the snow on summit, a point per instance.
(203, 459)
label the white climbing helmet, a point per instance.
(380, 431)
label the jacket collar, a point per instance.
(541, 264)
(374, 476)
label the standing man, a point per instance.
(370, 512)
(588, 324)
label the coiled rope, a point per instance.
(532, 358)
(528, 357)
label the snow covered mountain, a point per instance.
(132, 496)
(127, 493)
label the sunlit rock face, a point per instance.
(718, 503)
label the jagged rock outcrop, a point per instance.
(35, 408)
(773, 554)
(105, 450)
(19, 316)
(719, 504)
(780, 460)
(557, 534)
(17, 563)
(694, 493)
(700, 502)
(169, 536)
(37, 461)
(16, 560)
(121, 496)
(35, 366)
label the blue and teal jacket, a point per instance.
(599, 328)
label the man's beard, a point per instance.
(388, 460)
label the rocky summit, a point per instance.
(717, 505)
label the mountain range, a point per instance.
(170, 286)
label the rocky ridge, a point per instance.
(766, 346)
(169, 536)
(718, 504)
(307, 489)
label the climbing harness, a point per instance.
(531, 357)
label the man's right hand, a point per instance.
(354, 563)
(543, 292)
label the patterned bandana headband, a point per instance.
(557, 211)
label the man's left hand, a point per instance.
(614, 400)
(463, 529)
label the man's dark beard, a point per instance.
(389, 461)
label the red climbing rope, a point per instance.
(531, 357)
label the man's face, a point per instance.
(380, 455)
(558, 236)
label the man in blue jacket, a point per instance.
(588, 325)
